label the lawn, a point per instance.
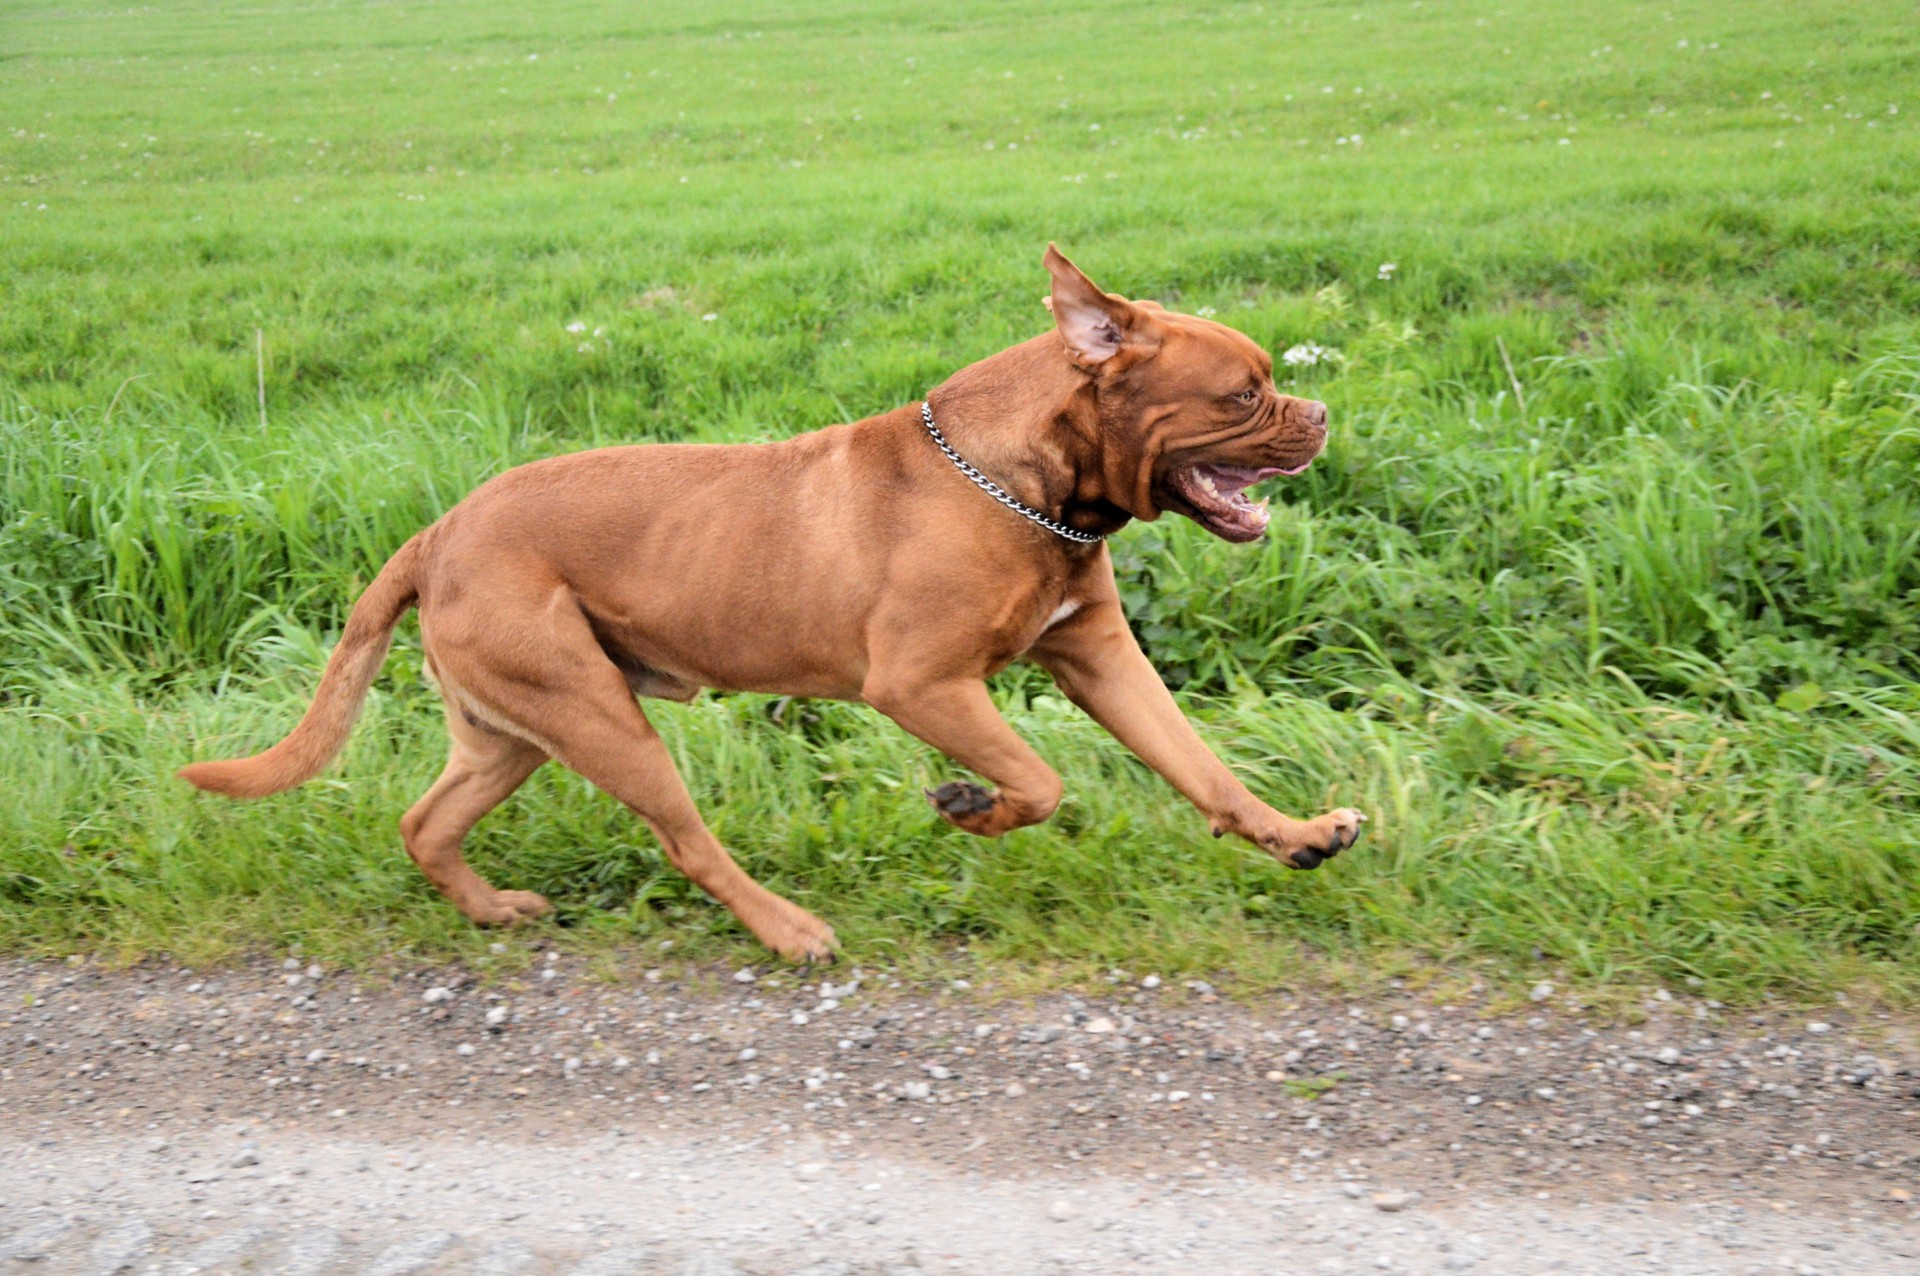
(1604, 601)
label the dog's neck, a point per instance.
(1028, 420)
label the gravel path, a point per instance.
(283, 1118)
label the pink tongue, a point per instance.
(1235, 478)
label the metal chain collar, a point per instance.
(999, 493)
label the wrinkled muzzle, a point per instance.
(1214, 492)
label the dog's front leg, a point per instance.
(1098, 665)
(957, 717)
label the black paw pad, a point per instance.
(1310, 858)
(959, 798)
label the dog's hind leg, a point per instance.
(615, 746)
(545, 677)
(483, 768)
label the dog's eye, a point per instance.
(1247, 396)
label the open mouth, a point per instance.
(1216, 497)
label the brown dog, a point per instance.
(857, 563)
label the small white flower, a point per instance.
(708, 318)
(1386, 270)
(1206, 312)
(576, 326)
(1306, 354)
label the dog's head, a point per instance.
(1187, 410)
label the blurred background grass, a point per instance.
(1604, 600)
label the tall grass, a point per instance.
(1605, 600)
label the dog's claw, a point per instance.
(958, 797)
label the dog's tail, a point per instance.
(350, 671)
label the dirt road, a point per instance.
(284, 1118)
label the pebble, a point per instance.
(1392, 1201)
(1060, 1211)
(744, 976)
(117, 1249)
(1150, 982)
(1819, 1029)
(623, 1261)
(1098, 1024)
(507, 1258)
(1541, 991)
(410, 1256)
(310, 1253)
(917, 1090)
(33, 1241)
(708, 1265)
(219, 1249)
(437, 994)
(811, 1171)
(498, 1015)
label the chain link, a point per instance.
(999, 493)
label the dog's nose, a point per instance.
(1315, 412)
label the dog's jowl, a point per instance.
(900, 560)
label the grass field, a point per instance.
(1604, 601)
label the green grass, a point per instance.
(1605, 600)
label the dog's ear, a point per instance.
(1095, 325)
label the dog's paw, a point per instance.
(1325, 838)
(958, 799)
(803, 939)
(509, 908)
